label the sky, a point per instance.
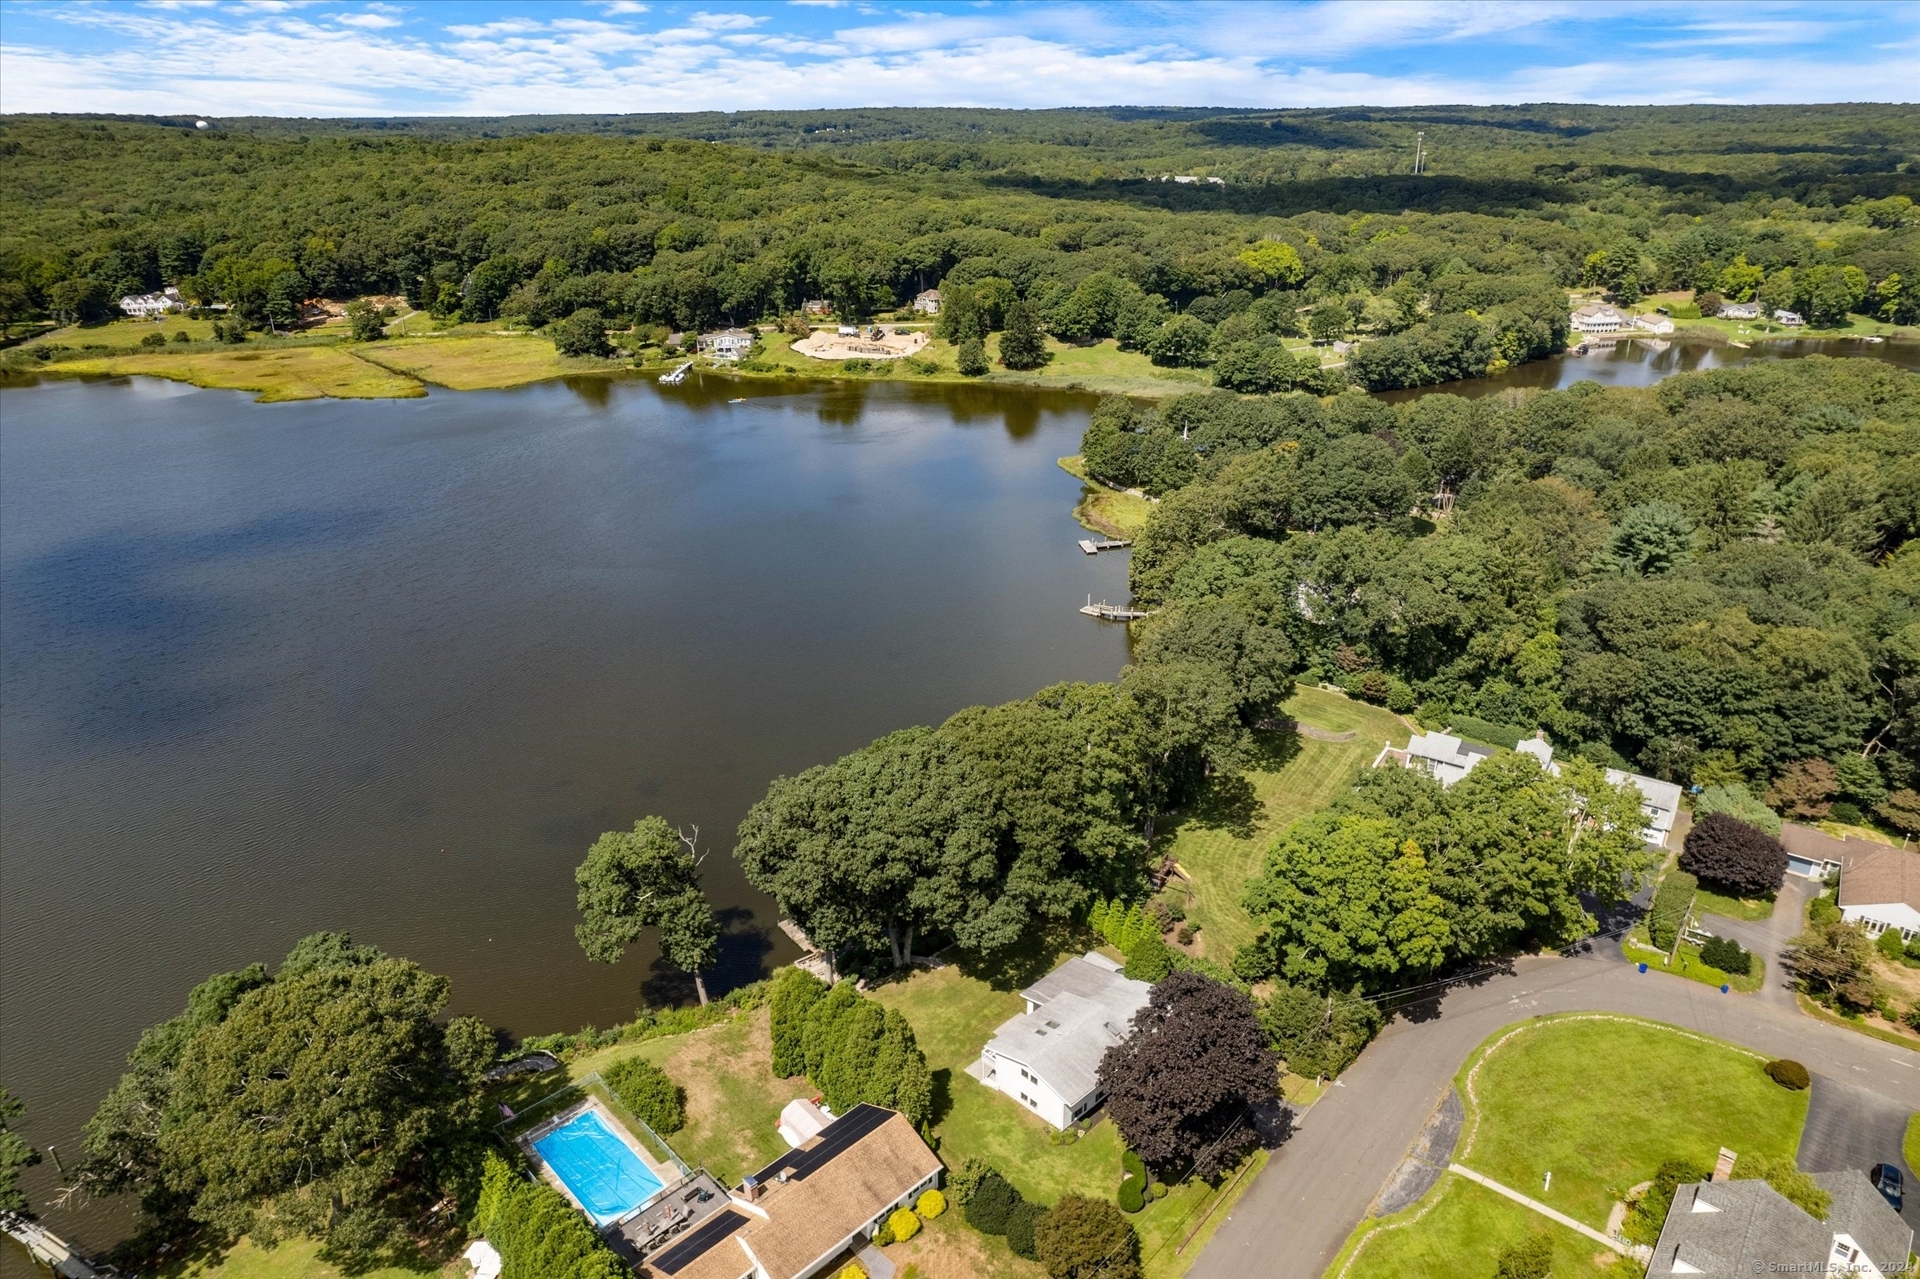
(451, 57)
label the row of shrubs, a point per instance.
(852, 1049)
(1077, 1236)
(903, 1224)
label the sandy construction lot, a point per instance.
(822, 345)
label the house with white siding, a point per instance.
(1048, 1058)
(143, 306)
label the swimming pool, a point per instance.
(599, 1169)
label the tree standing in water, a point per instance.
(648, 877)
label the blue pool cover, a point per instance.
(601, 1170)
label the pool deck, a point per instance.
(668, 1176)
(668, 1217)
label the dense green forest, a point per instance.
(1710, 580)
(688, 221)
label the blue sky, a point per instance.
(317, 57)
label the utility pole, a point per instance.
(1419, 150)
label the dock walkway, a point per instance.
(1113, 612)
(1093, 547)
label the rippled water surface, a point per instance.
(391, 666)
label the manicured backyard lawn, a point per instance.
(295, 1259)
(1601, 1101)
(733, 1098)
(1222, 840)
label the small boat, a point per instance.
(741, 400)
(1873, 338)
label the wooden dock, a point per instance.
(1113, 612)
(1094, 547)
(677, 376)
(50, 1250)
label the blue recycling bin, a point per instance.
(1643, 968)
(1725, 989)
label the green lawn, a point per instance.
(1748, 908)
(1601, 1101)
(1221, 841)
(1104, 510)
(1911, 1146)
(954, 1012)
(295, 1259)
(1687, 963)
(1461, 1229)
(733, 1098)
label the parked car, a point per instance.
(1886, 1179)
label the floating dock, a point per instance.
(677, 376)
(1113, 612)
(1093, 546)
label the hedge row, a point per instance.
(1668, 914)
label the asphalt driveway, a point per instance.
(1851, 1127)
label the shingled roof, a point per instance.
(1879, 876)
(1730, 1228)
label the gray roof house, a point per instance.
(1727, 1228)
(1048, 1058)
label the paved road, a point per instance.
(1850, 1127)
(1320, 1183)
(1768, 937)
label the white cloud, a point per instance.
(173, 55)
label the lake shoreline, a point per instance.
(315, 366)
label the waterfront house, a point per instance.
(805, 1210)
(1880, 889)
(727, 344)
(1597, 317)
(1791, 319)
(153, 305)
(1728, 1228)
(927, 302)
(1447, 759)
(1048, 1058)
(1740, 311)
(1653, 323)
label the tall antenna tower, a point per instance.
(1419, 150)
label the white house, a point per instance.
(927, 302)
(1597, 317)
(1443, 757)
(1740, 311)
(1447, 759)
(1048, 1058)
(1659, 801)
(1653, 322)
(145, 305)
(1789, 318)
(1881, 890)
(727, 344)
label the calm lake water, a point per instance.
(1644, 361)
(391, 666)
